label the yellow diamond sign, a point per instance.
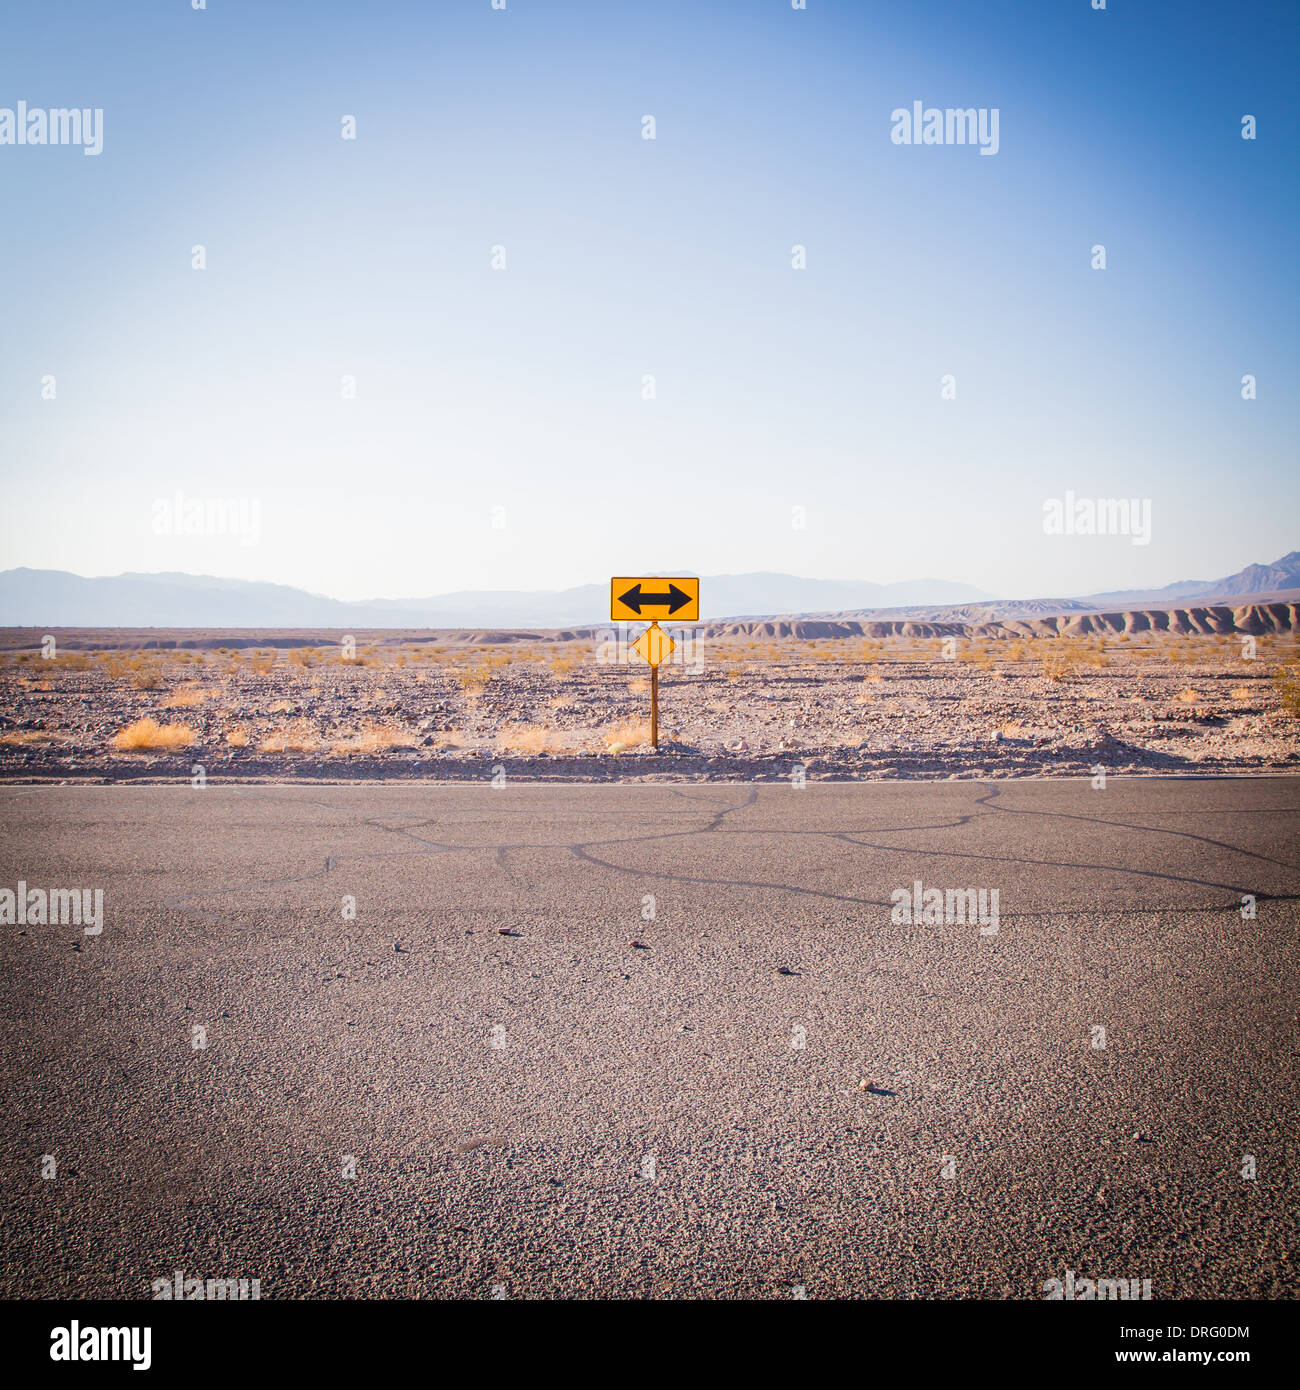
(654, 645)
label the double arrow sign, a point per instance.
(630, 599)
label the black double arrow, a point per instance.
(674, 599)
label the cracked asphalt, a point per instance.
(498, 1075)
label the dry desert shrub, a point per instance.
(135, 670)
(453, 738)
(295, 737)
(188, 696)
(302, 656)
(1188, 696)
(262, 663)
(145, 677)
(531, 741)
(629, 733)
(26, 738)
(1286, 681)
(280, 707)
(474, 679)
(72, 661)
(148, 733)
(237, 738)
(1241, 693)
(1060, 662)
(378, 738)
(562, 665)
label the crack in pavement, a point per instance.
(717, 823)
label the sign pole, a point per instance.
(654, 704)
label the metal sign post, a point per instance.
(654, 706)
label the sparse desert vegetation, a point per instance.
(735, 706)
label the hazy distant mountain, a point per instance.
(56, 598)
(1260, 579)
(1278, 577)
(1265, 583)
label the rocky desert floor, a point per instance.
(578, 710)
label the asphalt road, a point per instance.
(557, 1112)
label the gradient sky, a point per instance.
(521, 389)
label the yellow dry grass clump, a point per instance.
(629, 733)
(26, 738)
(148, 733)
(1060, 663)
(1286, 681)
(146, 678)
(474, 679)
(237, 738)
(531, 740)
(188, 696)
(296, 737)
(139, 672)
(376, 739)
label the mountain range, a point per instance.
(57, 598)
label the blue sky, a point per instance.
(499, 438)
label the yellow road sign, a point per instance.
(654, 645)
(678, 599)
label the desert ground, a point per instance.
(572, 707)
